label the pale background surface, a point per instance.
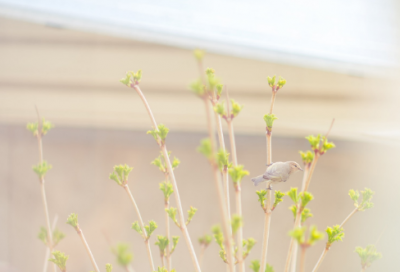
(73, 77)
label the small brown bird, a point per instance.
(277, 172)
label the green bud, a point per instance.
(237, 222)
(121, 174)
(57, 236)
(175, 240)
(150, 228)
(335, 233)
(136, 226)
(218, 236)
(167, 188)
(41, 169)
(60, 259)
(219, 87)
(43, 235)
(278, 198)
(32, 127)
(205, 148)
(307, 157)
(293, 195)
(269, 120)
(249, 244)
(157, 162)
(220, 109)
(271, 81)
(236, 108)
(73, 220)
(126, 80)
(161, 133)
(124, 256)
(237, 173)
(315, 235)
(175, 163)
(108, 267)
(366, 197)
(197, 87)
(172, 214)
(210, 72)
(354, 195)
(45, 127)
(281, 82)
(305, 214)
(269, 268)
(198, 54)
(298, 234)
(261, 197)
(314, 141)
(191, 212)
(162, 243)
(305, 198)
(205, 240)
(223, 159)
(368, 255)
(255, 265)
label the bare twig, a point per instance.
(47, 256)
(89, 252)
(173, 181)
(146, 240)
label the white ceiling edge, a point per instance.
(87, 25)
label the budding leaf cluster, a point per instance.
(294, 196)
(269, 120)
(255, 266)
(163, 269)
(121, 174)
(198, 54)
(162, 243)
(191, 212)
(305, 198)
(45, 127)
(219, 238)
(368, 255)
(236, 108)
(299, 234)
(108, 267)
(198, 88)
(237, 222)
(175, 240)
(205, 148)
(276, 85)
(123, 254)
(73, 220)
(307, 157)
(150, 228)
(57, 236)
(278, 198)
(137, 228)
(220, 109)
(205, 240)
(320, 144)
(161, 163)
(366, 197)
(42, 168)
(60, 259)
(159, 134)
(335, 233)
(237, 173)
(262, 197)
(223, 159)
(248, 244)
(43, 235)
(167, 189)
(131, 77)
(172, 214)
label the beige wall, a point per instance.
(72, 77)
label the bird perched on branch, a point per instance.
(277, 172)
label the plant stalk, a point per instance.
(303, 259)
(348, 217)
(267, 216)
(80, 233)
(47, 255)
(174, 183)
(168, 257)
(321, 258)
(296, 245)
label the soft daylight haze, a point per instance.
(67, 59)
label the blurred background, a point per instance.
(340, 59)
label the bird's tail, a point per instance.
(257, 180)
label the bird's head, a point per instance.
(294, 166)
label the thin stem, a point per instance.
(126, 187)
(47, 255)
(272, 102)
(292, 241)
(203, 249)
(296, 245)
(240, 230)
(303, 259)
(43, 191)
(348, 217)
(363, 269)
(320, 259)
(168, 257)
(174, 183)
(311, 172)
(232, 142)
(80, 233)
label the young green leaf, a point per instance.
(60, 259)
(237, 222)
(218, 236)
(57, 236)
(198, 88)
(298, 234)
(271, 81)
(205, 148)
(198, 54)
(150, 228)
(305, 198)
(281, 82)
(220, 109)
(278, 198)
(162, 243)
(249, 244)
(223, 159)
(124, 256)
(73, 220)
(293, 195)
(41, 169)
(366, 197)
(269, 120)
(205, 240)
(175, 240)
(172, 214)
(368, 255)
(315, 235)
(175, 163)
(261, 197)
(307, 157)
(137, 228)
(236, 108)
(237, 173)
(335, 233)
(167, 189)
(108, 267)
(43, 235)
(191, 212)
(255, 265)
